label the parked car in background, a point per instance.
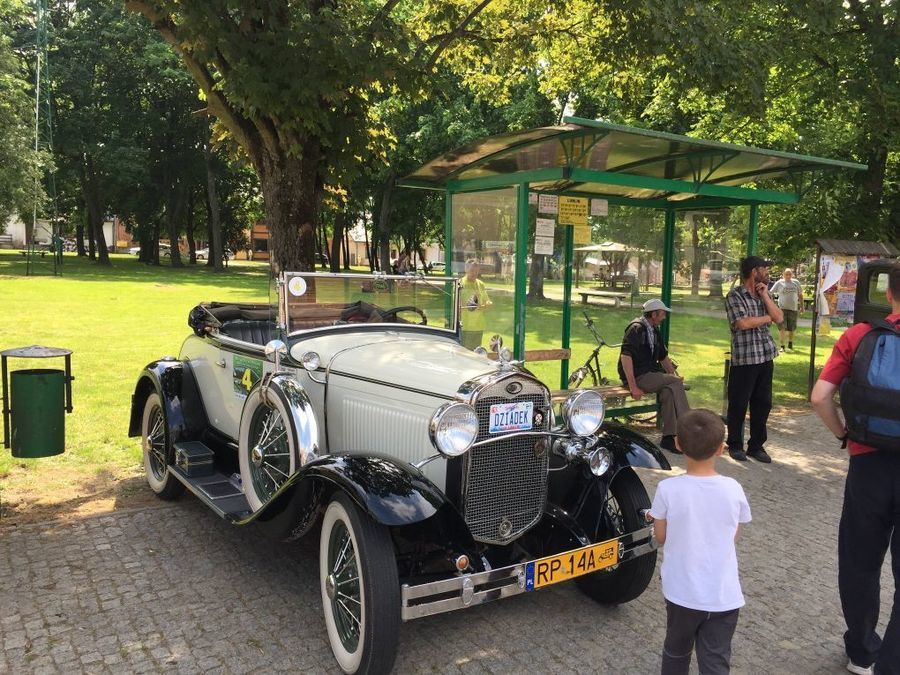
(165, 251)
(439, 478)
(203, 254)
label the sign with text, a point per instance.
(573, 211)
(548, 204)
(544, 227)
(599, 207)
(582, 235)
(543, 245)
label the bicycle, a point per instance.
(592, 365)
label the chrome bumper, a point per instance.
(476, 589)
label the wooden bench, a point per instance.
(614, 407)
(586, 293)
(42, 253)
(541, 355)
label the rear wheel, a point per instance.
(360, 590)
(157, 450)
(627, 497)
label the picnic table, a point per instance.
(586, 293)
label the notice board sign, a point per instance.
(573, 211)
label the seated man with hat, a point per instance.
(645, 368)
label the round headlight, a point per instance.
(310, 360)
(453, 429)
(583, 412)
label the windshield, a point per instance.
(316, 300)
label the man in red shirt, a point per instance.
(870, 519)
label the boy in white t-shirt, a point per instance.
(696, 519)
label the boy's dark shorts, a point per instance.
(790, 319)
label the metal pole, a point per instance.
(448, 255)
(521, 271)
(753, 232)
(567, 304)
(5, 405)
(668, 265)
(815, 320)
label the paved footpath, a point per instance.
(173, 588)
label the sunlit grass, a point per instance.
(117, 319)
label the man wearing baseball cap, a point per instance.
(645, 367)
(750, 313)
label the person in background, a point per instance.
(696, 518)
(870, 518)
(645, 367)
(790, 300)
(473, 301)
(750, 311)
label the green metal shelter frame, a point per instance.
(626, 166)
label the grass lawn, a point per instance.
(118, 319)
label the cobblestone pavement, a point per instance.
(173, 588)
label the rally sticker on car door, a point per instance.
(245, 373)
(511, 417)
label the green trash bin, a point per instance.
(35, 402)
(37, 412)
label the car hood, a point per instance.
(433, 364)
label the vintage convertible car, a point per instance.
(442, 478)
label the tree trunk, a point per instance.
(212, 209)
(174, 210)
(346, 242)
(292, 189)
(189, 227)
(381, 231)
(94, 208)
(536, 278)
(79, 235)
(340, 222)
(369, 255)
(695, 262)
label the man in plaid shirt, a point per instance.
(750, 312)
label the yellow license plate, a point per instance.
(564, 566)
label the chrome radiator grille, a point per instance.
(505, 481)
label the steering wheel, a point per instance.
(394, 311)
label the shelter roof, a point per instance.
(853, 247)
(627, 164)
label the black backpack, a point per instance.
(870, 396)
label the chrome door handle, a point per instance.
(220, 363)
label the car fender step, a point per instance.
(218, 491)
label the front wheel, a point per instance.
(157, 450)
(267, 450)
(627, 497)
(360, 590)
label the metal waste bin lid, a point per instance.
(35, 352)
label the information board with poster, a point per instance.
(573, 211)
(837, 288)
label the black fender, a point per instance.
(389, 491)
(174, 381)
(630, 448)
(580, 493)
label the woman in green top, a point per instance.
(474, 301)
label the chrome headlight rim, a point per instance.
(439, 434)
(572, 414)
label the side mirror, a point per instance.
(496, 343)
(278, 349)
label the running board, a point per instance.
(218, 492)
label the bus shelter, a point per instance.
(518, 205)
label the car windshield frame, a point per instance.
(401, 290)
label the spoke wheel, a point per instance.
(360, 590)
(157, 450)
(267, 447)
(627, 496)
